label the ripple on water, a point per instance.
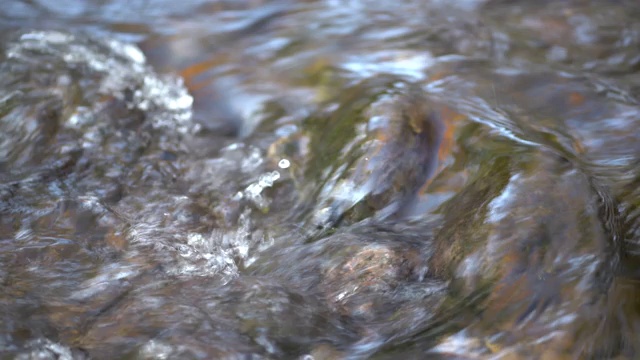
(131, 227)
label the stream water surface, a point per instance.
(319, 179)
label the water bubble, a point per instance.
(157, 349)
(43, 348)
(252, 161)
(237, 197)
(284, 164)
(267, 180)
(254, 190)
(49, 36)
(127, 50)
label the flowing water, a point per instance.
(319, 179)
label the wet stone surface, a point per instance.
(547, 252)
(404, 126)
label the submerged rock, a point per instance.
(374, 274)
(371, 155)
(397, 154)
(199, 319)
(538, 237)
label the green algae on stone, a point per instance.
(374, 153)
